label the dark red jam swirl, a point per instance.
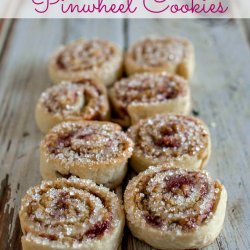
(84, 100)
(158, 52)
(84, 55)
(170, 135)
(148, 88)
(176, 199)
(87, 142)
(68, 211)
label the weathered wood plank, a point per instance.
(246, 27)
(23, 77)
(5, 26)
(221, 95)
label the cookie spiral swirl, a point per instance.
(95, 59)
(71, 213)
(183, 140)
(144, 95)
(84, 100)
(170, 54)
(92, 150)
(173, 202)
(85, 55)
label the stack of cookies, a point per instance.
(108, 112)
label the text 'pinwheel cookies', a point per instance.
(147, 94)
(171, 54)
(174, 208)
(89, 150)
(182, 140)
(84, 100)
(71, 214)
(95, 59)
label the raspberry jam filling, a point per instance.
(98, 229)
(84, 100)
(158, 52)
(66, 212)
(170, 135)
(148, 88)
(76, 140)
(87, 143)
(181, 183)
(85, 55)
(155, 221)
(176, 199)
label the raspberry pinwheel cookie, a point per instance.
(174, 208)
(71, 214)
(89, 150)
(147, 94)
(95, 59)
(171, 54)
(182, 140)
(84, 100)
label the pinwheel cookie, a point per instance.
(178, 139)
(84, 100)
(95, 59)
(89, 150)
(171, 54)
(71, 214)
(174, 208)
(147, 94)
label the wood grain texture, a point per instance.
(246, 27)
(5, 27)
(220, 92)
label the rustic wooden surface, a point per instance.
(220, 90)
